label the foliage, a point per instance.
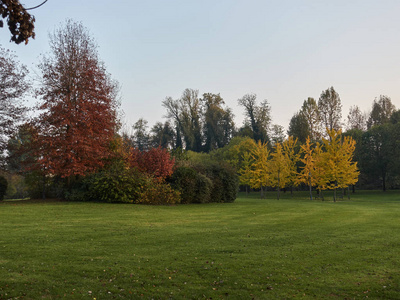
(258, 117)
(13, 87)
(158, 193)
(356, 119)
(225, 183)
(156, 162)
(311, 113)
(298, 127)
(330, 109)
(19, 21)
(279, 169)
(218, 122)
(3, 187)
(381, 112)
(260, 172)
(192, 186)
(78, 118)
(340, 171)
(117, 184)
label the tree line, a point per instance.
(77, 132)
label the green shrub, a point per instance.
(225, 183)
(193, 186)
(204, 187)
(3, 187)
(117, 184)
(158, 193)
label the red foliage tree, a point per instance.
(78, 118)
(156, 162)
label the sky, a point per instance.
(284, 51)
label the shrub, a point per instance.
(157, 193)
(117, 184)
(225, 183)
(193, 186)
(3, 187)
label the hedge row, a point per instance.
(188, 184)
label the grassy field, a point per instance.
(253, 248)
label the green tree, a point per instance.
(218, 122)
(356, 119)
(299, 128)
(377, 156)
(330, 109)
(381, 112)
(310, 112)
(162, 135)
(141, 137)
(258, 117)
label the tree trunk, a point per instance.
(348, 192)
(309, 177)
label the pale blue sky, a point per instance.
(283, 51)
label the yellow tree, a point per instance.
(320, 175)
(245, 171)
(340, 169)
(279, 169)
(307, 170)
(292, 157)
(260, 174)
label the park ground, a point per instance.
(250, 249)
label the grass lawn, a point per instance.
(252, 248)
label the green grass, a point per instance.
(253, 248)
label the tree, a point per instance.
(340, 170)
(290, 149)
(257, 116)
(173, 112)
(260, 173)
(218, 122)
(245, 171)
(299, 128)
(13, 87)
(311, 113)
(277, 134)
(191, 119)
(162, 135)
(279, 169)
(141, 138)
(157, 162)
(306, 175)
(78, 119)
(186, 113)
(19, 21)
(356, 119)
(330, 109)
(377, 155)
(382, 110)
